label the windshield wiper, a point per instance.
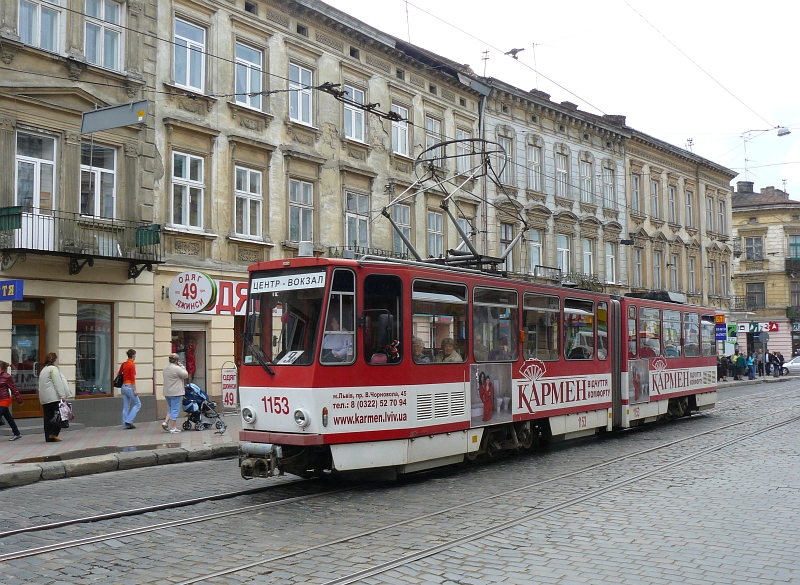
(256, 352)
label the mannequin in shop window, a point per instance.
(191, 361)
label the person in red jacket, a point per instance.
(7, 388)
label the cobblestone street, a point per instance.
(673, 511)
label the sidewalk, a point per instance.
(84, 451)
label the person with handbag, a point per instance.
(130, 397)
(53, 388)
(7, 388)
(175, 377)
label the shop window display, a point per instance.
(190, 347)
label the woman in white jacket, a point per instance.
(175, 376)
(53, 387)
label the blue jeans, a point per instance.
(130, 404)
(174, 403)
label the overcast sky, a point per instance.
(606, 58)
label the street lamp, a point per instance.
(782, 131)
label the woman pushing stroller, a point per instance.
(175, 376)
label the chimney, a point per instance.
(744, 186)
(614, 119)
(772, 191)
(540, 94)
(570, 106)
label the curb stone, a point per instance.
(19, 474)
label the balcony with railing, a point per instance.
(747, 303)
(80, 238)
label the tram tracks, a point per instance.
(246, 509)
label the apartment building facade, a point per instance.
(766, 231)
(565, 178)
(76, 210)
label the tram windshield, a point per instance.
(283, 315)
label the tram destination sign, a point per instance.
(288, 282)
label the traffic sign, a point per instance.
(114, 116)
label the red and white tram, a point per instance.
(401, 366)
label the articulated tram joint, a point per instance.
(260, 460)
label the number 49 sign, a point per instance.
(192, 292)
(230, 388)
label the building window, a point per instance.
(401, 214)
(723, 279)
(466, 227)
(609, 199)
(353, 115)
(657, 270)
(190, 48)
(673, 272)
(248, 76)
(98, 180)
(463, 151)
(654, 201)
(753, 248)
(35, 173)
(562, 176)
(712, 277)
(709, 214)
(755, 295)
(563, 244)
(673, 215)
(248, 202)
(400, 131)
(505, 166)
(534, 168)
(692, 282)
(300, 97)
(187, 190)
(636, 203)
(93, 367)
(357, 220)
(40, 24)
(794, 247)
(435, 234)
(637, 267)
(301, 211)
(689, 209)
(586, 182)
(795, 292)
(506, 237)
(103, 33)
(433, 136)
(535, 240)
(611, 262)
(721, 223)
(588, 256)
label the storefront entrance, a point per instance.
(27, 354)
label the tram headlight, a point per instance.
(302, 418)
(249, 414)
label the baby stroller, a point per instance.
(196, 405)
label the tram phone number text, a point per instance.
(280, 404)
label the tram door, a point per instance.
(27, 354)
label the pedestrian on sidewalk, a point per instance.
(760, 363)
(751, 367)
(7, 388)
(776, 365)
(175, 376)
(130, 397)
(53, 388)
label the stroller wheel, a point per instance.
(199, 426)
(219, 424)
(187, 426)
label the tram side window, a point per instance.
(578, 329)
(339, 334)
(602, 330)
(649, 332)
(691, 335)
(439, 322)
(540, 315)
(672, 333)
(632, 331)
(708, 334)
(383, 334)
(494, 324)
